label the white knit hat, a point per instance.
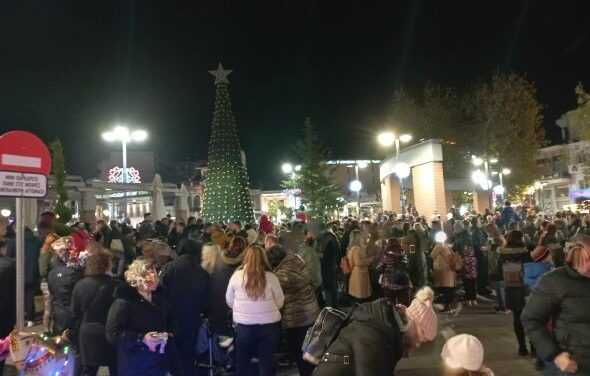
(463, 351)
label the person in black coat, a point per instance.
(513, 256)
(32, 276)
(328, 246)
(139, 325)
(8, 294)
(66, 272)
(562, 297)
(91, 300)
(186, 286)
(371, 344)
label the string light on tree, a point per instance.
(227, 196)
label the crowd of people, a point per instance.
(136, 300)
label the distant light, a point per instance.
(121, 133)
(362, 164)
(506, 171)
(106, 213)
(478, 177)
(494, 160)
(405, 138)
(5, 212)
(139, 135)
(440, 237)
(386, 138)
(477, 161)
(108, 136)
(499, 190)
(402, 170)
(356, 186)
(298, 168)
(287, 168)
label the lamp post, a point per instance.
(388, 139)
(123, 135)
(486, 162)
(289, 169)
(500, 189)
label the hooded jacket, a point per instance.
(372, 340)
(130, 318)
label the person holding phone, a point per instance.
(138, 325)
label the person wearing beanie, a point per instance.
(463, 355)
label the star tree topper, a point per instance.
(221, 74)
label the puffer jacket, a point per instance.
(301, 307)
(372, 341)
(562, 295)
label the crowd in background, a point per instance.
(134, 299)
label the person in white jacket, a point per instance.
(255, 296)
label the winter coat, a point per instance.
(219, 313)
(8, 294)
(32, 252)
(533, 271)
(564, 296)
(372, 340)
(247, 311)
(515, 296)
(185, 285)
(469, 264)
(130, 318)
(443, 275)
(393, 269)
(359, 284)
(508, 216)
(61, 282)
(312, 264)
(301, 306)
(91, 299)
(330, 252)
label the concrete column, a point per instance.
(481, 201)
(429, 189)
(88, 207)
(391, 194)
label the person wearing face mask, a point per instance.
(562, 297)
(138, 325)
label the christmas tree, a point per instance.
(227, 197)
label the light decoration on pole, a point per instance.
(115, 175)
(355, 186)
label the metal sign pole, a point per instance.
(20, 265)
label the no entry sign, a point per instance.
(25, 163)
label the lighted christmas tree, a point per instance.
(227, 197)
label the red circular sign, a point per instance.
(22, 151)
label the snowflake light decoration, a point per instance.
(115, 175)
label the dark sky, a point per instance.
(70, 69)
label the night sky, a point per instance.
(70, 69)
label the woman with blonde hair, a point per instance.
(359, 284)
(256, 297)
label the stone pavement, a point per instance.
(494, 330)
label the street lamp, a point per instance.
(5, 212)
(388, 139)
(356, 185)
(287, 168)
(125, 136)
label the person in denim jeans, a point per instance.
(255, 296)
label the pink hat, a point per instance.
(423, 317)
(463, 351)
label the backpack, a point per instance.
(323, 332)
(513, 274)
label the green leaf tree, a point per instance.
(505, 117)
(227, 195)
(319, 193)
(579, 119)
(63, 212)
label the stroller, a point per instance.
(215, 353)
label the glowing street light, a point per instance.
(477, 161)
(506, 171)
(5, 212)
(287, 168)
(386, 139)
(405, 138)
(298, 168)
(355, 186)
(122, 134)
(402, 170)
